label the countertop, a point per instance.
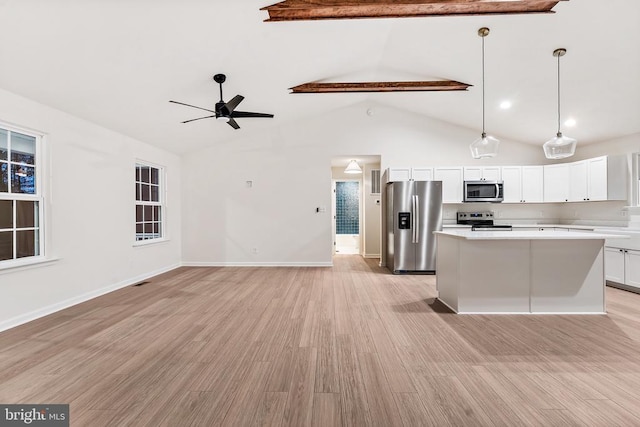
(526, 235)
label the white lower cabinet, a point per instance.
(622, 266)
(632, 268)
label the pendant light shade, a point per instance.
(485, 146)
(353, 167)
(559, 147)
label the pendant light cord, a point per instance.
(559, 94)
(483, 133)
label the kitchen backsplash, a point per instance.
(612, 213)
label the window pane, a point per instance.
(144, 177)
(4, 178)
(3, 144)
(156, 229)
(23, 179)
(137, 173)
(6, 245)
(138, 192)
(23, 148)
(156, 213)
(6, 214)
(139, 217)
(27, 244)
(148, 213)
(155, 176)
(155, 193)
(148, 227)
(26, 214)
(139, 228)
(146, 193)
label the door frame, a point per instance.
(360, 212)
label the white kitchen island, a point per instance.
(521, 271)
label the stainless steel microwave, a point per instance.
(483, 191)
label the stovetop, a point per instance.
(480, 221)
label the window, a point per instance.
(149, 202)
(20, 196)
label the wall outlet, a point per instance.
(254, 250)
(623, 213)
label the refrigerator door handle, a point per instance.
(417, 219)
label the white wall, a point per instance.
(89, 214)
(291, 169)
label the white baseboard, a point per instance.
(256, 264)
(45, 311)
(371, 255)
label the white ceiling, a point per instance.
(118, 64)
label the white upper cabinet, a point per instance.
(523, 184)
(482, 173)
(532, 184)
(422, 174)
(597, 180)
(578, 189)
(409, 174)
(451, 183)
(556, 183)
(512, 188)
(600, 178)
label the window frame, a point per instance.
(161, 203)
(38, 196)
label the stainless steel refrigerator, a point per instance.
(413, 212)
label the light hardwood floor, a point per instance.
(350, 345)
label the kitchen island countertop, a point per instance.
(515, 234)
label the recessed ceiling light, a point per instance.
(570, 122)
(505, 105)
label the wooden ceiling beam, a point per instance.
(413, 86)
(294, 10)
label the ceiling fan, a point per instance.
(225, 111)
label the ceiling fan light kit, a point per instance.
(485, 146)
(560, 146)
(225, 111)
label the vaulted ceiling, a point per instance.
(119, 63)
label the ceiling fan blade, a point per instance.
(233, 124)
(199, 118)
(193, 106)
(248, 114)
(231, 105)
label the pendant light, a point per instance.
(560, 146)
(353, 167)
(485, 146)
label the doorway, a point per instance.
(346, 216)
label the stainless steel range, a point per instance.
(480, 221)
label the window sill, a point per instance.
(13, 266)
(150, 242)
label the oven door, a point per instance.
(483, 191)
